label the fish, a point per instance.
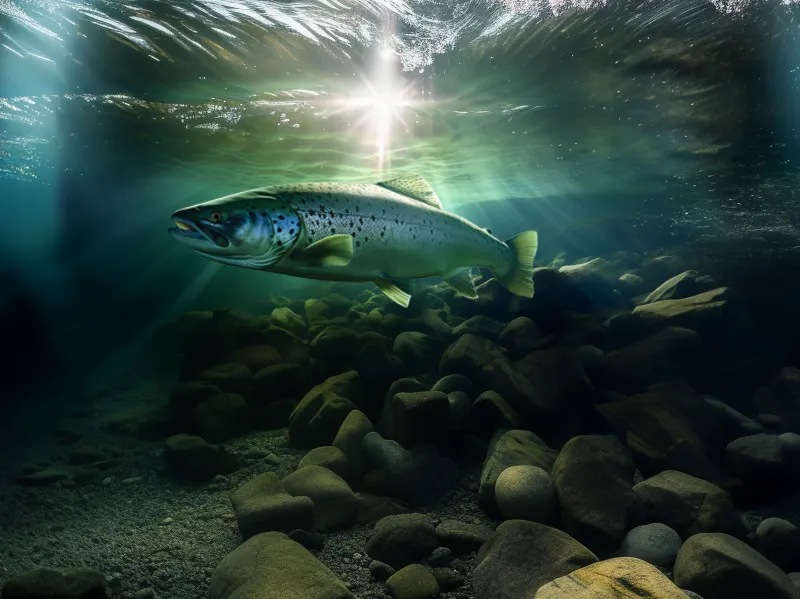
(391, 233)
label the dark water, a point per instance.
(620, 130)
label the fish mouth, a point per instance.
(196, 233)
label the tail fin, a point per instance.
(519, 278)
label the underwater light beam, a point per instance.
(384, 100)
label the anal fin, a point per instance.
(334, 250)
(461, 281)
(397, 290)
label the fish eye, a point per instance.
(215, 217)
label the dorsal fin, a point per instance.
(414, 187)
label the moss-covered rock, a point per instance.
(413, 582)
(263, 505)
(594, 480)
(272, 566)
(619, 578)
(719, 566)
(334, 501)
(191, 458)
(329, 457)
(522, 556)
(402, 539)
(512, 448)
(689, 505)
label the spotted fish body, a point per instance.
(388, 232)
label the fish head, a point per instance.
(246, 229)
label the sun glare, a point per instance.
(382, 105)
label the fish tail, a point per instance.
(518, 279)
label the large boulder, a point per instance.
(689, 505)
(191, 458)
(522, 556)
(719, 566)
(670, 427)
(526, 493)
(418, 351)
(779, 541)
(221, 417)
(272, 566)
(594, 481)
(619, 578)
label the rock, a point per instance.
(678, 287)
(272, 566)
(661, 268)
(460, 406)
(376, 365)
(441, 556)
(184, 397)
(668, 354)
(779, 541)
(402, 539)
(781, 396)
(522, 556)
(335, 345)
(526, 493)
(372, 508)
(319, 415)
(795, 578)
(462, 537)
(191, 458)
(719, 566)
(559, 389)
(448, 579)
(594, 480)
(404, 385)
(790, 444)
(256, 357)
(631, 284)
(413, 582)
(689, 505)
(61, 583)
(619, 578)
(229, 376)
(702, 312)
(512, 448)
(520, 337)
(380, 571)
(655, 543)
(272, 415)
(145, 593)
(334, 501)
(668, 427)
(280, 380)
(489, 413)
(353, 430)
(452, 383)
(420, 417)
(313, 541)
(468, 354)
(418, 476)
(220, 418)
(481, 326)
(758, 460)
(418, 350)
(286, 319)
(262, 505)
(328, 457)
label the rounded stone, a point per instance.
(526, 493)
(655, 543)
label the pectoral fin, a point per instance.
(399, 291)
(334, 250)
(461, 281)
